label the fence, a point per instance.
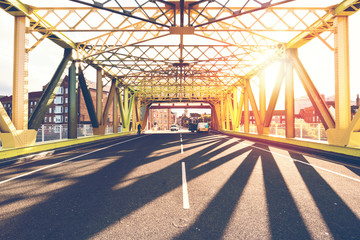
(314, 131)
(49, 132)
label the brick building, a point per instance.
(58, 111)
(278, 117)
(160, 119)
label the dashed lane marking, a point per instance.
(186, 204)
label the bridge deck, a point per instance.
(131, 188)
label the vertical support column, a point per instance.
(126, 99)
(262, 99)
(227, 113)
(289, 100)
(262, 95)
(115, 114)
(73, 118)
(20, 78)
(246, 112)
(235, 116)
(342, 79)
(99, 94)
(222, 114)
(133, 122)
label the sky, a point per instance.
(316, 57)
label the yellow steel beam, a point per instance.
(262, 95)
(342, 73)
(246, 111)
(346, 7)
(289, 101)
(254, 108)
(317, 101)
(99, 94)
(274, 97)
(240, 107)
(115, 114)
(16, 8)
(6, 126)
(20, 78)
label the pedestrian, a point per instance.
(139, 128)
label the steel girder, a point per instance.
(144, 47)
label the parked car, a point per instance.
(174, 128)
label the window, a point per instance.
(31, 110)
(31, 103)
(58, 119)
(58, 100)
(35, 102)
(66, 100)
(60, 91)
(45, 119)
(49, 119)
(58, 109)
(66, 90)
(50, 110)
(66, 109)
(66, 119)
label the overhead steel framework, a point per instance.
(211, 51)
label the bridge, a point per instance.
(229, 184)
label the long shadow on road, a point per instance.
(342, 222)
(285, 220)
(90, 205)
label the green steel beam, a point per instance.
(73, 117)
(109, 101)
(88, 100)
(126, 107)
(49, 93)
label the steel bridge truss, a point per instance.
(187, 51)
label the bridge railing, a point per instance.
(51, 132)
(311, 131)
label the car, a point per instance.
(202, 127)
(174, 128)
(192, 127)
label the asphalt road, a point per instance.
(133, 188)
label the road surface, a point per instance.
(179, 186)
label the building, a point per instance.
(160, 119)
(278, 117)
(310, 116)
(58, 111)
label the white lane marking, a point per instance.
(182, 149)
(55, 164)
(186, 204)
(309, 164)
(180, 139)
